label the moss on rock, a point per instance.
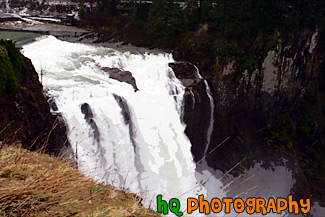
(9, 78)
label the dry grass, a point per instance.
(34, 184)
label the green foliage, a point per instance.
(157, 20)
(82, 12)
(237, 18)
(17, 60)
(206, 7)
(6, 73)
(11, 65)
(305, 13)
(192, 14)
(279, 135)
(233, 19)
(109, 6)
(166, 22)
(176, 24)
(299, 134)
(251, 27)
(268, 15)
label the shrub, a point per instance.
(11, 66)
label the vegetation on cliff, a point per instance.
(35, 184)
(24, 111)
(207, 32)
(11, 65)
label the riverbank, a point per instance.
(62, 32)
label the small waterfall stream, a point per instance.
(211, 123)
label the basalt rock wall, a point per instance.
(25, 115)
(272, 113)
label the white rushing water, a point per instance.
(132, 140)
(135, 140)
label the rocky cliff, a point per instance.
(272, 113)
(24, 111)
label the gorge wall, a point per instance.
(24, 110)
(272, 113)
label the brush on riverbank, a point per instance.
(35, 184)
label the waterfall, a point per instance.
(131, 140)
(134, 141)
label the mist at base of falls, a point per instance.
(135, 140)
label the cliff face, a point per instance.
(270, 113)
(24, 112)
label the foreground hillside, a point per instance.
(35, 184)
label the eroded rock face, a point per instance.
(125, 111)
(122, 76)
(196, 106)
(26, 116)
(275, 112)
(86, 110)
(185, 72)
(197, 117)
(270, 113)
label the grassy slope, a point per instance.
(35, 184)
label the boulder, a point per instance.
(185, 72)
(121, 75)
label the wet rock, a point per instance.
(197, 117)
(196, 106)
(178, 55)
(125, 108)
(75, 36)
(125, 111)
(52, 105)
(109, 37)
(265, 112)
(86, 110)
(185, 72)
(122, 76)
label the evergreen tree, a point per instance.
(192, 13)
(205, 9)
(157, 20)
(176, 24)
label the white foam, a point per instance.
(161, 161)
